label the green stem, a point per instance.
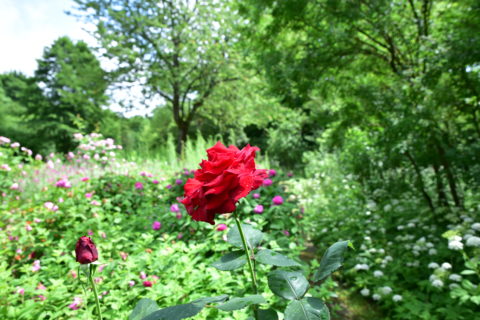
(249, 261)
(95, 294)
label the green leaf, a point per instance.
(267, 314)
(307, 309)
(273, 258)
(183, 311)
(231, 261)
(331, 260)
(240, 303)
(467, 272)
(252, 236)
(143, 308)
(288, 285)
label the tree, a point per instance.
(177, 50)
(74, 85)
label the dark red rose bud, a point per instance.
(147, 284)
(86, 251)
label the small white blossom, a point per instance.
(455, 277)
(433, 265)
(361, 267)
(455, 245)
(473, 242)
(432, 251)
(437, 283)
(377, 274)
(376, 297)
(385, 290)
(476, 226)
(397, 298)
(365, 292)
(446, 266)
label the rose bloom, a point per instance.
(228, 175)
(85, 251)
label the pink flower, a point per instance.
(103, 235)
(95, 203)
(75, 305)
(101, 267)
(73, 273)
(36, 220)
(285, 232)
(90, 232)
(123, 255)
(143, 174)
(98, 279)
(179, 236)
(179, 181)
(222, 227)
(256, 195)
(272, 173)
(147, 284)
(155, 182)
(15, 145)
(60, 200)
(143, 275)
(290, 174)
(277, 200)
(174, 208)
(156, 225)
(63, 183)
(40, 286)
(4, 140)
(267, 182)
(169, 186)
(258, 209)
(28, 228)
(88, 195)
(138, 185)
(36, 266)
(14, 186)
(131, 283)
(179, 216)
(20, 291)
(38, 157)
(85, 179)
(41, 297)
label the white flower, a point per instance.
(365, 292)
(377, 274)
(455, 245)
(437, 283)
(455, 277)
(473, 241)
(476, 226)
(361, 267)
(446, 266)
(376, 297)
(432, 251)
(433, 265)
(397, 298)
(385, 290)
(453, 286)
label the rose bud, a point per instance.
(85, 251)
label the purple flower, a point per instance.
(63, 183)
(76, 303)
(179, 236)
(169, 186)
(36, 266)
(156, 225)
(290, 174)
(272, 173)
(277, 200)
(258, 209)
(179, 181)
(155, 182)
(267, 182)
(256, 195)
(285, 232)
(138, 185)
(174, 208)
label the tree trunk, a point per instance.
(182, 136)
(442, 196)
(420, 183)
(450, 176)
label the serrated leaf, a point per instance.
(240, 303)
(273, 258)
(253, 236)
(289, 285)
(331, 260)
(143, 308)
(231, 261)
(183, 311)
(307, 309)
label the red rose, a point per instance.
(228, 175)
(86, 251)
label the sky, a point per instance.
(28, 26)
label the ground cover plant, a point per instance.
(148, 246)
